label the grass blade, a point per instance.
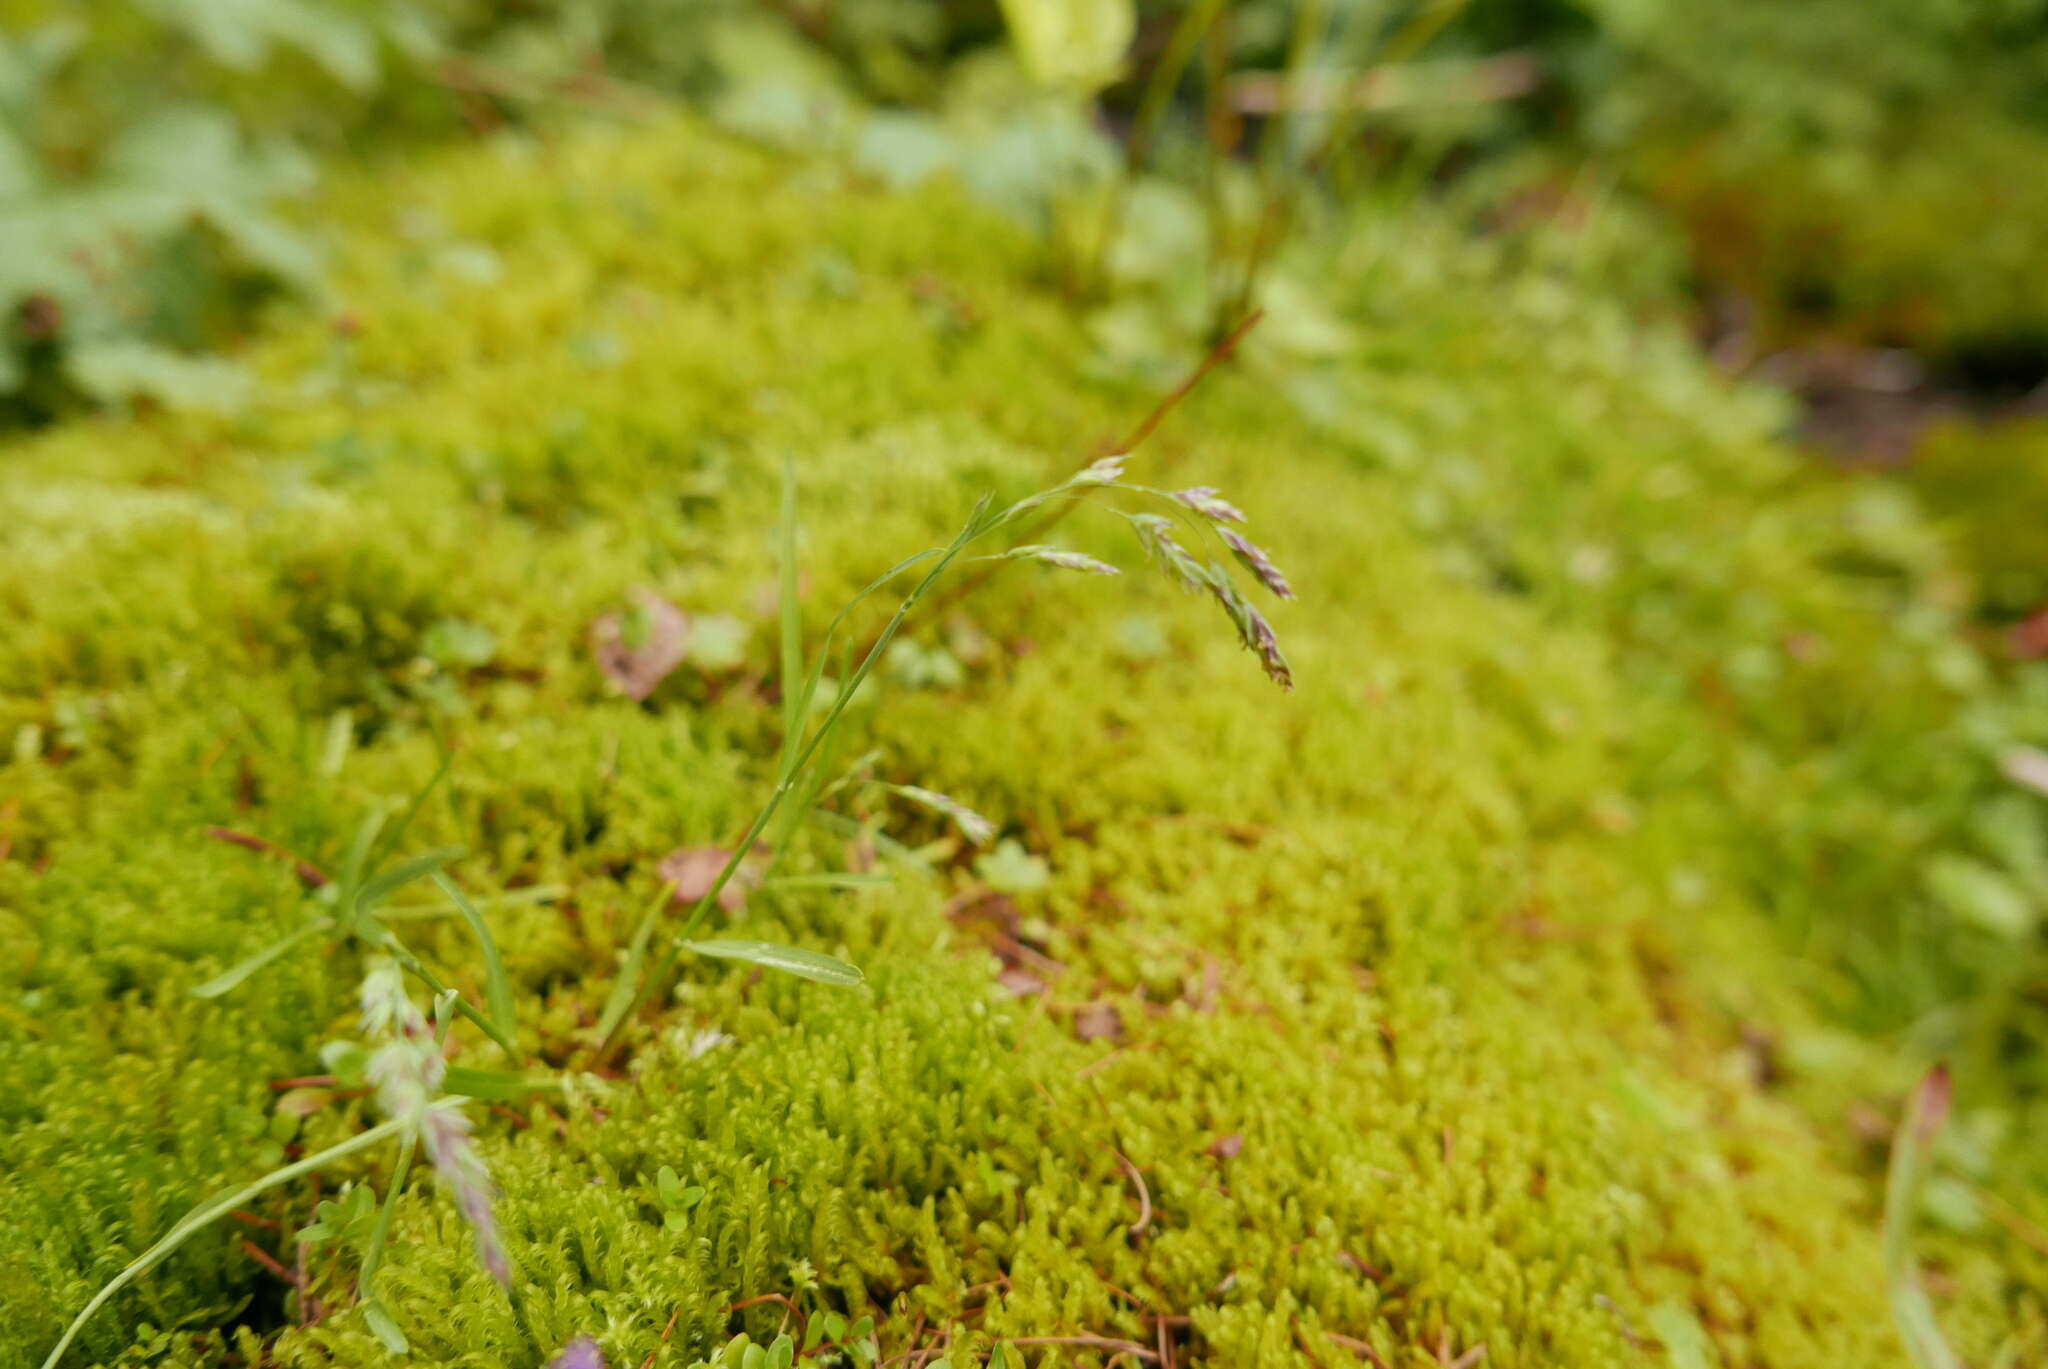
(497, 987)
(630, 988)
(492, 1086)
(824, 969)
(390, 880)
(1911, 1151)
(359, 852)
(835, 879)
(390, 840)
(230, 978)
(412, 963)
(199, 1218)
(626, 989)
(795, 700)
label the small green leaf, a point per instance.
(1072, 43)
(493, 1086)
(717, 644)
(794, 960)
(458, 644)
(1685, 1343)
(1979, 894)
(1013, 870)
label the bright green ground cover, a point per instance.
(1517, 947)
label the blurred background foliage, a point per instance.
(1860, 173)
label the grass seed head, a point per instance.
(1259, 564)
(1156, 533)
(1252, 628)
(1065, 560)
(1207, 501)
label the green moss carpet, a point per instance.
(1514, 983)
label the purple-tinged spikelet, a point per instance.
(1259, 564)
(1207, 501)
(581, 1353)
(1252, 628)
(1065, 560)
(1157, 535)
(452, 1149)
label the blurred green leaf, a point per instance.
(1013, 870)
(1979, 895)
(1072, 44)
(1685, 1341)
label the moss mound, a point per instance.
(1449, 1001)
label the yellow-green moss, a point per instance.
(1471, 941)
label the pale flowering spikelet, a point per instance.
(972, 825)
(1259, 564)
(1157, 535)
(1103, 471)
(1210, 503)
(1252, 629)
(407, 1070)
(1065, 560)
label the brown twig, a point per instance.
(1301, 1339)
(309, 874)
(269, 1262)
(1218, 354)
(1128, 1347)
(1356, 1345)
(648, 1363)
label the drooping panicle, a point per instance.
(1210, 503)
(451, 1147)
(1258, 563)
(407, 1070)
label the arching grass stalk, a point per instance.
(203, 1216)
(1201, 508)
(410, 1073)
